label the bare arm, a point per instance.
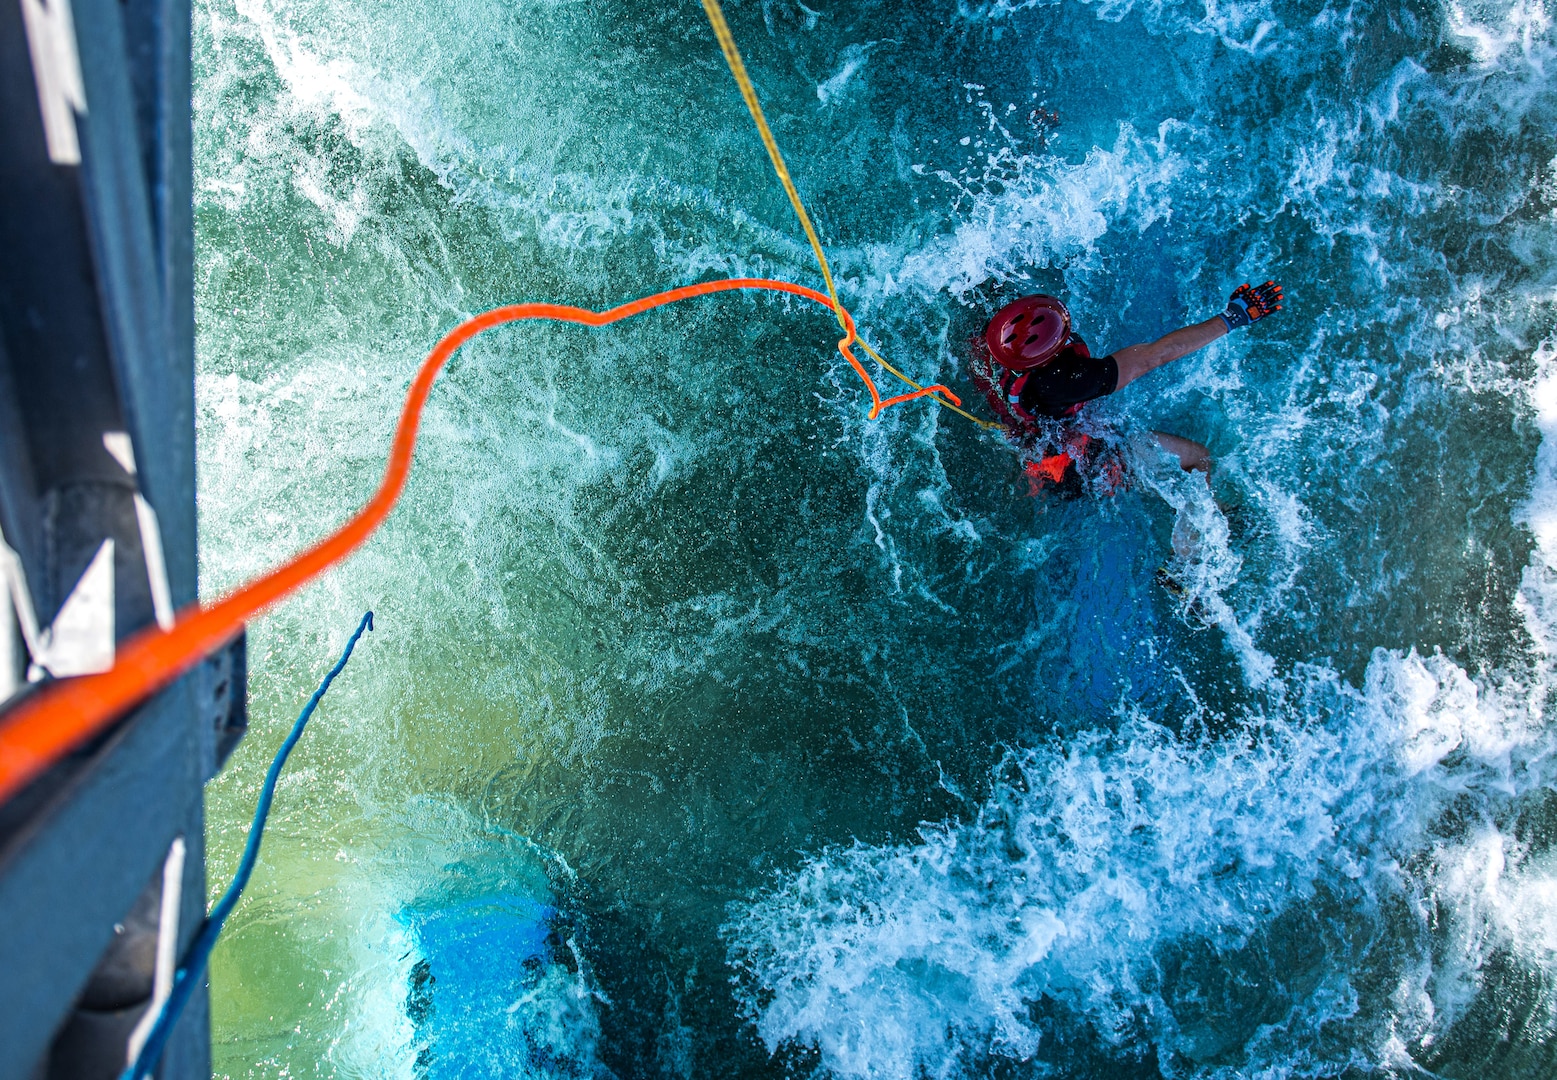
(1245, 306)
(1136, 360)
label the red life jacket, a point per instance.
(1062, 469)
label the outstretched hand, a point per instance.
(1251, 304)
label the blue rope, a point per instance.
(187, 977)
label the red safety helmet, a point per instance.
(1028, 333)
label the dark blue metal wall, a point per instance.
(96, 339)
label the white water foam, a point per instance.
(1090, 864)
(1053, 212)
(1538, 592)
(546, 1029)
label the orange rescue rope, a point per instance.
(61, 716)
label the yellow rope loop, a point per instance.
(732, 57)
(945, 404)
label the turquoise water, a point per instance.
(710, 729)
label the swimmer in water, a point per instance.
(1051, 373)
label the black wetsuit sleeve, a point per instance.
(1055, 389)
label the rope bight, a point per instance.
(61, 716)
(187, 977)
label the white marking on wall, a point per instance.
(117, 443)
(56, 68)
(167, 946)
(81, 641)
(156, 568)
(119, 447)
(14, 582)
(10, 678)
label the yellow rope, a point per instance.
(732, 56)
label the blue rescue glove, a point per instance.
(1248, 305)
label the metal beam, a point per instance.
(96, 338)
(74, 871)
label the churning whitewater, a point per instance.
(712, 729)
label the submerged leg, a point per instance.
(1192, 456)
